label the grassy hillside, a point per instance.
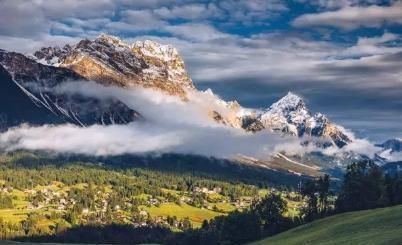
(379, 226)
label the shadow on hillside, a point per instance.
(172, 163)
(110, 234)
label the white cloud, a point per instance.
(13, 19)
(134, 21)
(352, 17)
(171, 126)
(29, 44)
(391, 156)
(287, 58)
(252, 12)
(336, 4)
(189, 12)
(370, 46)
(196, 32)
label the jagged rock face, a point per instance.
(110, 61)
(252, 124)
(51, 55)
(164, 61)
(38, 81)
(290, 115)
(105, 61)
(229, 115)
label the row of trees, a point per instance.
(129, 182)
(365, 186)
(262, 219)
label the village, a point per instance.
(100, 205)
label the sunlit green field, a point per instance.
(196, 215)
(379, 226)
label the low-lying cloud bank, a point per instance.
(171, 126)
(139, 138)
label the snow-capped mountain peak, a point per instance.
(111, 61)
(289, 102)
(112, 40)
(153, 49)
(290, 115)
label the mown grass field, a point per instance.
(376, 227)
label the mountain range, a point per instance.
(29, 92)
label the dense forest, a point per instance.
(69, 199)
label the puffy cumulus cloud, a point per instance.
(151, 4)
(34, 17)
(335, 4)
(370, 46)
(252, 11)
(190, 11)
(352, 17)
(14, 16)
(29, 44)
(132, 21)
(196, 32)
(74, 8)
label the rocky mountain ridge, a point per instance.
(37, 82)
(291, 116)
(110, 61)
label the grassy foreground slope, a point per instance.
(379, 226)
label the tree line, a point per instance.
(364, 186)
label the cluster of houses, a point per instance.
(59, 200)
(49, 197)
(6, 190)
(205, 190)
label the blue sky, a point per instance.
(344, 57)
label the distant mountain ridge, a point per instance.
(108, 60)
(395, 145)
